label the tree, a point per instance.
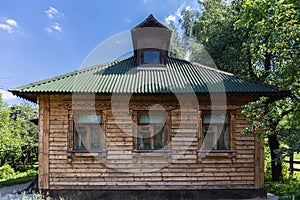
(10, 141)
(18, 135)
(21, 121)
(215, 30)
(258, 39)
(273, 41)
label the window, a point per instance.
(151, 132)
(87, 131)
(151, 57)
(216, 130)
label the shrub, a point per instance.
(7, 172)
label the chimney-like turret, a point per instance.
(151, 40)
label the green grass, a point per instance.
(16, 181)
(287, 189)
(297, 156)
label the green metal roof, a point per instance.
(123, 76)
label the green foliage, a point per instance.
(297, 156)
(18, 136)
(215, 30)
(273, 41)
(288, 186)
(7, 172)
(258, 39)
(16, 181)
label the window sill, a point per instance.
(216, 153)
(151, 151)
(84, 153)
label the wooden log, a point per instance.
(43, 143)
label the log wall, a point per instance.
(181, 166)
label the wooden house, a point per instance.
(149, 126)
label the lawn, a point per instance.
(16, 181)
(297, 156)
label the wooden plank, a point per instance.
(259, 162)
(44, 112)
(183, 171)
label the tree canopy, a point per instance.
(18, 135)
(258, 39)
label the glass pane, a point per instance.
(81, 140)
(144, 141)
(95, 137)
(158, 137)
(152, 119)
(222, 141)
(151, 57)
(88, 118)
(214, 119)
(213, 139)
(209, 136)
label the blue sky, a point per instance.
(40, 39)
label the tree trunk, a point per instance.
(276, 166)
(250, 67)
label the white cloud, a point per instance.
(57, 27)
(54, 28)
(7, 96)
(170, 18)
(179, 9)
(6, 27)
(191, 5)
(12, 22)
(10, 25)
(49, 30)
(52, 13)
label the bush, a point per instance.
(288, 186)
(7, 172)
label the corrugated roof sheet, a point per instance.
(124, 76)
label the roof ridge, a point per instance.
(240, 77)
(106, 64)
(150, 17)
(213, 69)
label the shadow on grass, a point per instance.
(16, 181)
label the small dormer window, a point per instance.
(151, 57)
(151, 41)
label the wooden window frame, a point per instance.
(162, 57)
(229, 121)
(72, 140)
(139, 125)
(152, 50)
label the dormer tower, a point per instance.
(151, 41)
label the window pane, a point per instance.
(158, 137)
(88, 118)
(213, 139)
(209, 135)
(222, 141)
(81, 140)
(153, 119)
(144, 140)
(214, 119)
(95, 137)
(151, 57)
